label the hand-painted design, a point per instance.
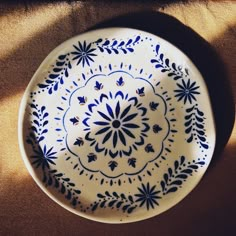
(75, 120)
(39, 123)
(84, 53)
(173, 179)
(194, 126)
(117, 126)
(92, 157)
(149, 148)
(153, 106)
(58, 74)
(98, 86)
(140, 92)
(115, 200)
(43, 156)
(114, 46)
(120, 82)
(79, 141)
(148, 196)
(112, 165)
(82, 100)
(175, 72)
(186, 91)
(58, 180)
(46, 157)
(132, 161)
(156, 128)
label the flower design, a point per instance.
(43, 157)
(114, 130)
(83, 53)
(148, 196)
(186, 91)
(123, 123)
(116, 124)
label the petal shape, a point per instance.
(130, 117)
(101, 131)
(104, 116)
(126, 110)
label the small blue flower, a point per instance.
(132, 162)
(149, 148)
(84, 53)
(153, 105)
(120, 82)
(156, 128)
(79, 141)
(91, 157)
(112, 165)
(140, 92)
(186, 91)
(75, 120)
(147, 196)
(98, 86)
(82, 100)
(43, 157)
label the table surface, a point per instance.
(203, 30)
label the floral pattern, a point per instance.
(43, 157)
(148, 196)
(186, 91)
(83, 53)
(117, 124)
(121, 131)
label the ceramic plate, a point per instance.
(116, 125)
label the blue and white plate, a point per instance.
(116, 125)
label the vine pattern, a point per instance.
(58, 74)
(194, 126)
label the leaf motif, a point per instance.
(193, 167)
(130, 210)
(99, 195)
(42, 85)
(107, 42)
(125, 207)
(170, 172)
(102, 204)
(182, 176)
(187, 171)
(108, 194)
(74, 202)
(115, 195)
(111, 203)
(121, 44)
(163, 185)
(118, 205)
(190, 139)
(166, 178)
(53, 76)
(68, 196)
(182, 159)
(63, 189)
(131, 198)
(176, 182)
(77, 191)
(171, 190)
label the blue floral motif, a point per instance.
(121, 122)
(43, 157)
(117, 125)
(79, 141)
(120, 82)
(83, 53)
(186, 91)
(148, 196)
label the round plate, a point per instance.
(116, 125)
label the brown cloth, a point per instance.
(28, 32)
